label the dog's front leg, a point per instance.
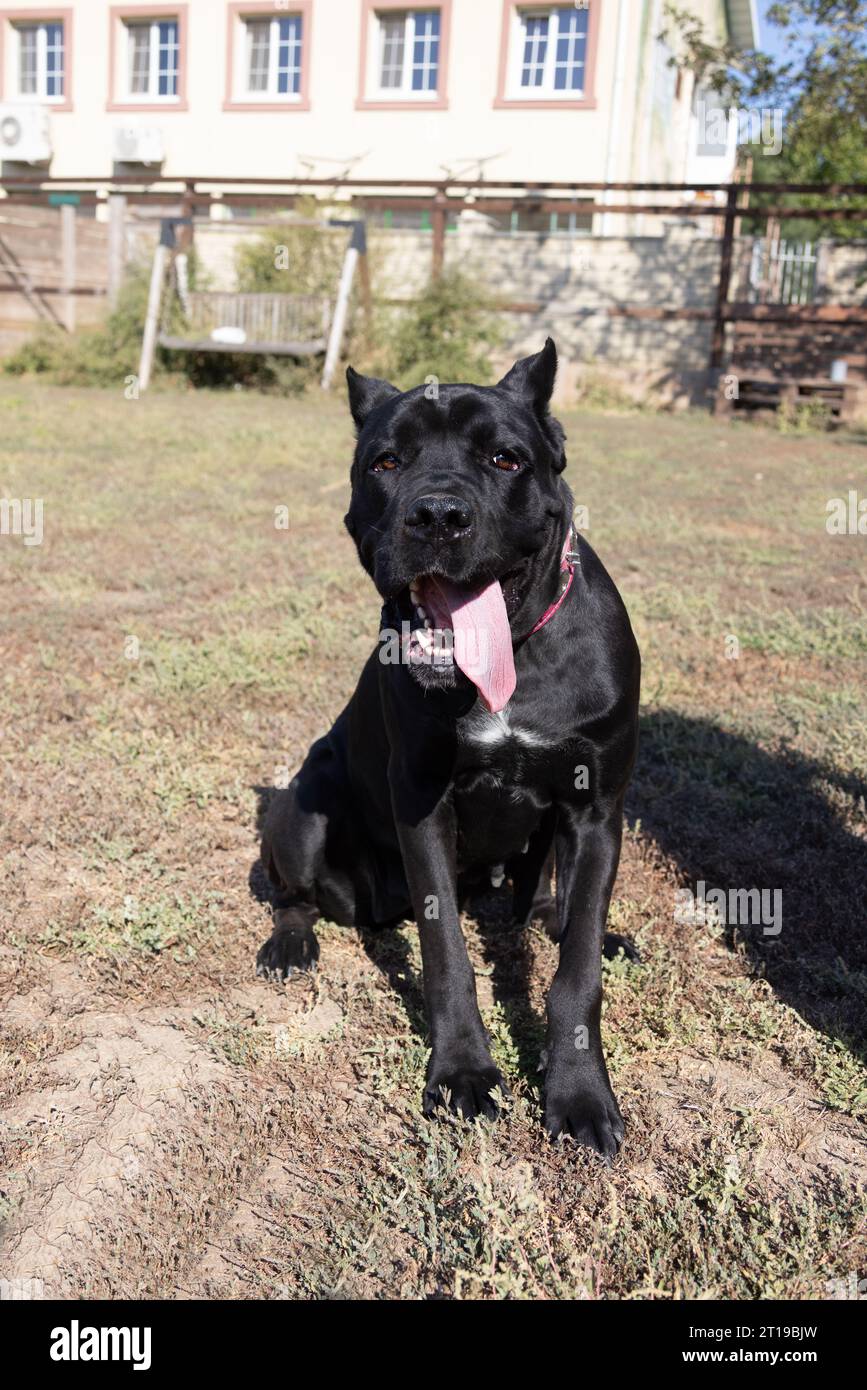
(578, 1096)
(461, 1071)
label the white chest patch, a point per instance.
(486, 730)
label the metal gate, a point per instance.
(783, 272)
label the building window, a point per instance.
(153, 59)
(404, 53)
(548, 53)
(273, 56)
(269, 55)
(553, 51)
(409, 52)
(147, 57)
(40, 60)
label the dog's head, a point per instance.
(457, 510)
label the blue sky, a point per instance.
(771, 38)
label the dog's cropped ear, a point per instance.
(366, 393)
(531, 381)
(532, 378)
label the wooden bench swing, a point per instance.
(268, 324)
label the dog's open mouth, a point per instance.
(465, 626)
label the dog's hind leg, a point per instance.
(613, 943)
(290, 848)
(301, 842)
(531, 875)
(292, 946)
(543, 907)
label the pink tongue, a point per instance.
(483, 639)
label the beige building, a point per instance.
(369, 89)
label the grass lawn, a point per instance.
(173, 1127)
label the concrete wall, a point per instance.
(843, 273)
(576, 281)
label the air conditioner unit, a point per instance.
(138, 144)
(25, 137)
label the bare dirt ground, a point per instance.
(173, 1128)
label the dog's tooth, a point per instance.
(498, 873)
(414, 594)
(428, 624)
(420, 612)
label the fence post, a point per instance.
(745, 179)
(162, 254)
(357, 247)
(438, 223)
(366, 292)
(116, 244)
(67, 263)
(188, 207)
(718, 342)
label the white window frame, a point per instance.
(546, 91)
(152, 96)
(405, 92)
(243, 43)
(41, 93)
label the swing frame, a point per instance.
(257, 306)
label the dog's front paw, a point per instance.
(286, 953)
(467, 1091)
(588, 1114)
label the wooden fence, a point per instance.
(53, 268)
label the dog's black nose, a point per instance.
(439, 517)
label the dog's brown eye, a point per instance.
(506, 462)
(384, 463)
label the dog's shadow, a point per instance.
(730, 815)
(734, 816)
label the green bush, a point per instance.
(451, 332)
(292, 259)
(800, 417)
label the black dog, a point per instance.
(493, 731)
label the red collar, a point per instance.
(567, 567)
